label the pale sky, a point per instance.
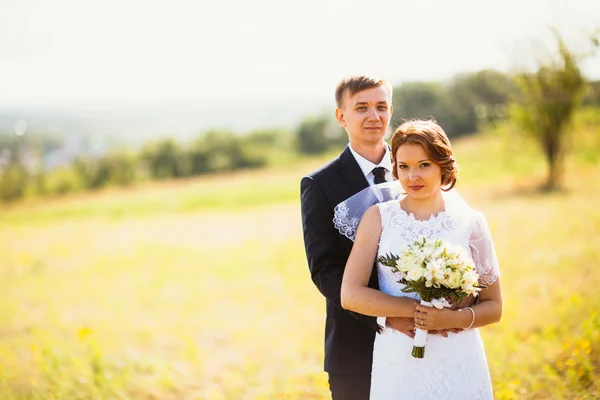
(72, 51)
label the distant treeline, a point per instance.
(461, 105)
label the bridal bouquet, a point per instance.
(436, 271)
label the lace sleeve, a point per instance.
(483, 251)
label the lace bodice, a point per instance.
(454, 367)
(400, 227)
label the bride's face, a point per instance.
(420, 177)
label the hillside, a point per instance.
(199, 289)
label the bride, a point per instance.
(454, 367)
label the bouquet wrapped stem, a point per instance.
(420, 339)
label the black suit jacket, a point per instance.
(348, 336)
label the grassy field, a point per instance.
(200, 290)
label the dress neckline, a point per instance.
(411, 216)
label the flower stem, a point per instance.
(418, 352)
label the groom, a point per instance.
(364, 108)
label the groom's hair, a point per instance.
(355, 84)
(430, 135)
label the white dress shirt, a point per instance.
(366, 167)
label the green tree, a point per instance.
(122, 168)
(164, 159)
(318, 134)
(13, 182)
(311, 137)
(592, 95)
(458, 105)
(63, 180)
(116, 168)
(267, 145)
(546, 104)
(421, 100)
(478, 97)
(222, 151)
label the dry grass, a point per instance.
(197, 304)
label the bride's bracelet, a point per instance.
(472, 317)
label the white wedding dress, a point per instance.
(454, 367)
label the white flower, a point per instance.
(440, 303)
(419, 256)
(415, 274)
(454, 280)
(439, 253)
(469, 266)
(403, 263)
(436, 270)
(428, 277)
(470, 278)
(410, 262)
(429, 249)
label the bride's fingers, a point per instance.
(420, 322)
(425, 320)
(422, 316)
(423, 309)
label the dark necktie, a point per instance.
(379, 173)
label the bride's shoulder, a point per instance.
(463, 214)
(459, 208)
(479, 220)
(476, 221)
(387, 206)
(372, 217)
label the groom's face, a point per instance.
(365, 115)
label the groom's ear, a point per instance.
(339, 115)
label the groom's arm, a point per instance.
(321, 244)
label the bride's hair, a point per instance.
(430, 135)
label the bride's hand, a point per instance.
(433, 319)
(404, 325)
(462, 303)
(444, 332)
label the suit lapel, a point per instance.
(351, 172)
